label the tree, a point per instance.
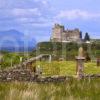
(81, 34)
(87, 57)
(87, 37)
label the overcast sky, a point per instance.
(36, 18)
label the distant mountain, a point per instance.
(13, 40)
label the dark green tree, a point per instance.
(87, 37)
(81, 34)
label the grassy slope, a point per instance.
(66, 68)
(70, 48)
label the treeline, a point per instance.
(67, 50)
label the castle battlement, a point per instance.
(59, 34)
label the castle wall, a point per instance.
(59, 34)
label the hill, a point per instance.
(13, 40)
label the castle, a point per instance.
(59, 34)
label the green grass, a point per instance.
(91, 68)
(66, 68)
(11, 59)
(70, 90)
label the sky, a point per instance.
(35, 18)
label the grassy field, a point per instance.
(70, 90)
(66, 68)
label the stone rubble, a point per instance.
(24, 74)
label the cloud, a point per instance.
(77, 14)
(36, 22)
(18, 4)
(25, 12)
(19, 13)
(44, 2)
(24, 17)
(42, 24)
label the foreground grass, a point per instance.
(66, 68)
(70, 90)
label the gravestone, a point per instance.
(21, 59)
(80, 63)
(38, 71)
(50, 58)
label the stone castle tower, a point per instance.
(59, 34)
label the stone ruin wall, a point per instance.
(59, 34)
